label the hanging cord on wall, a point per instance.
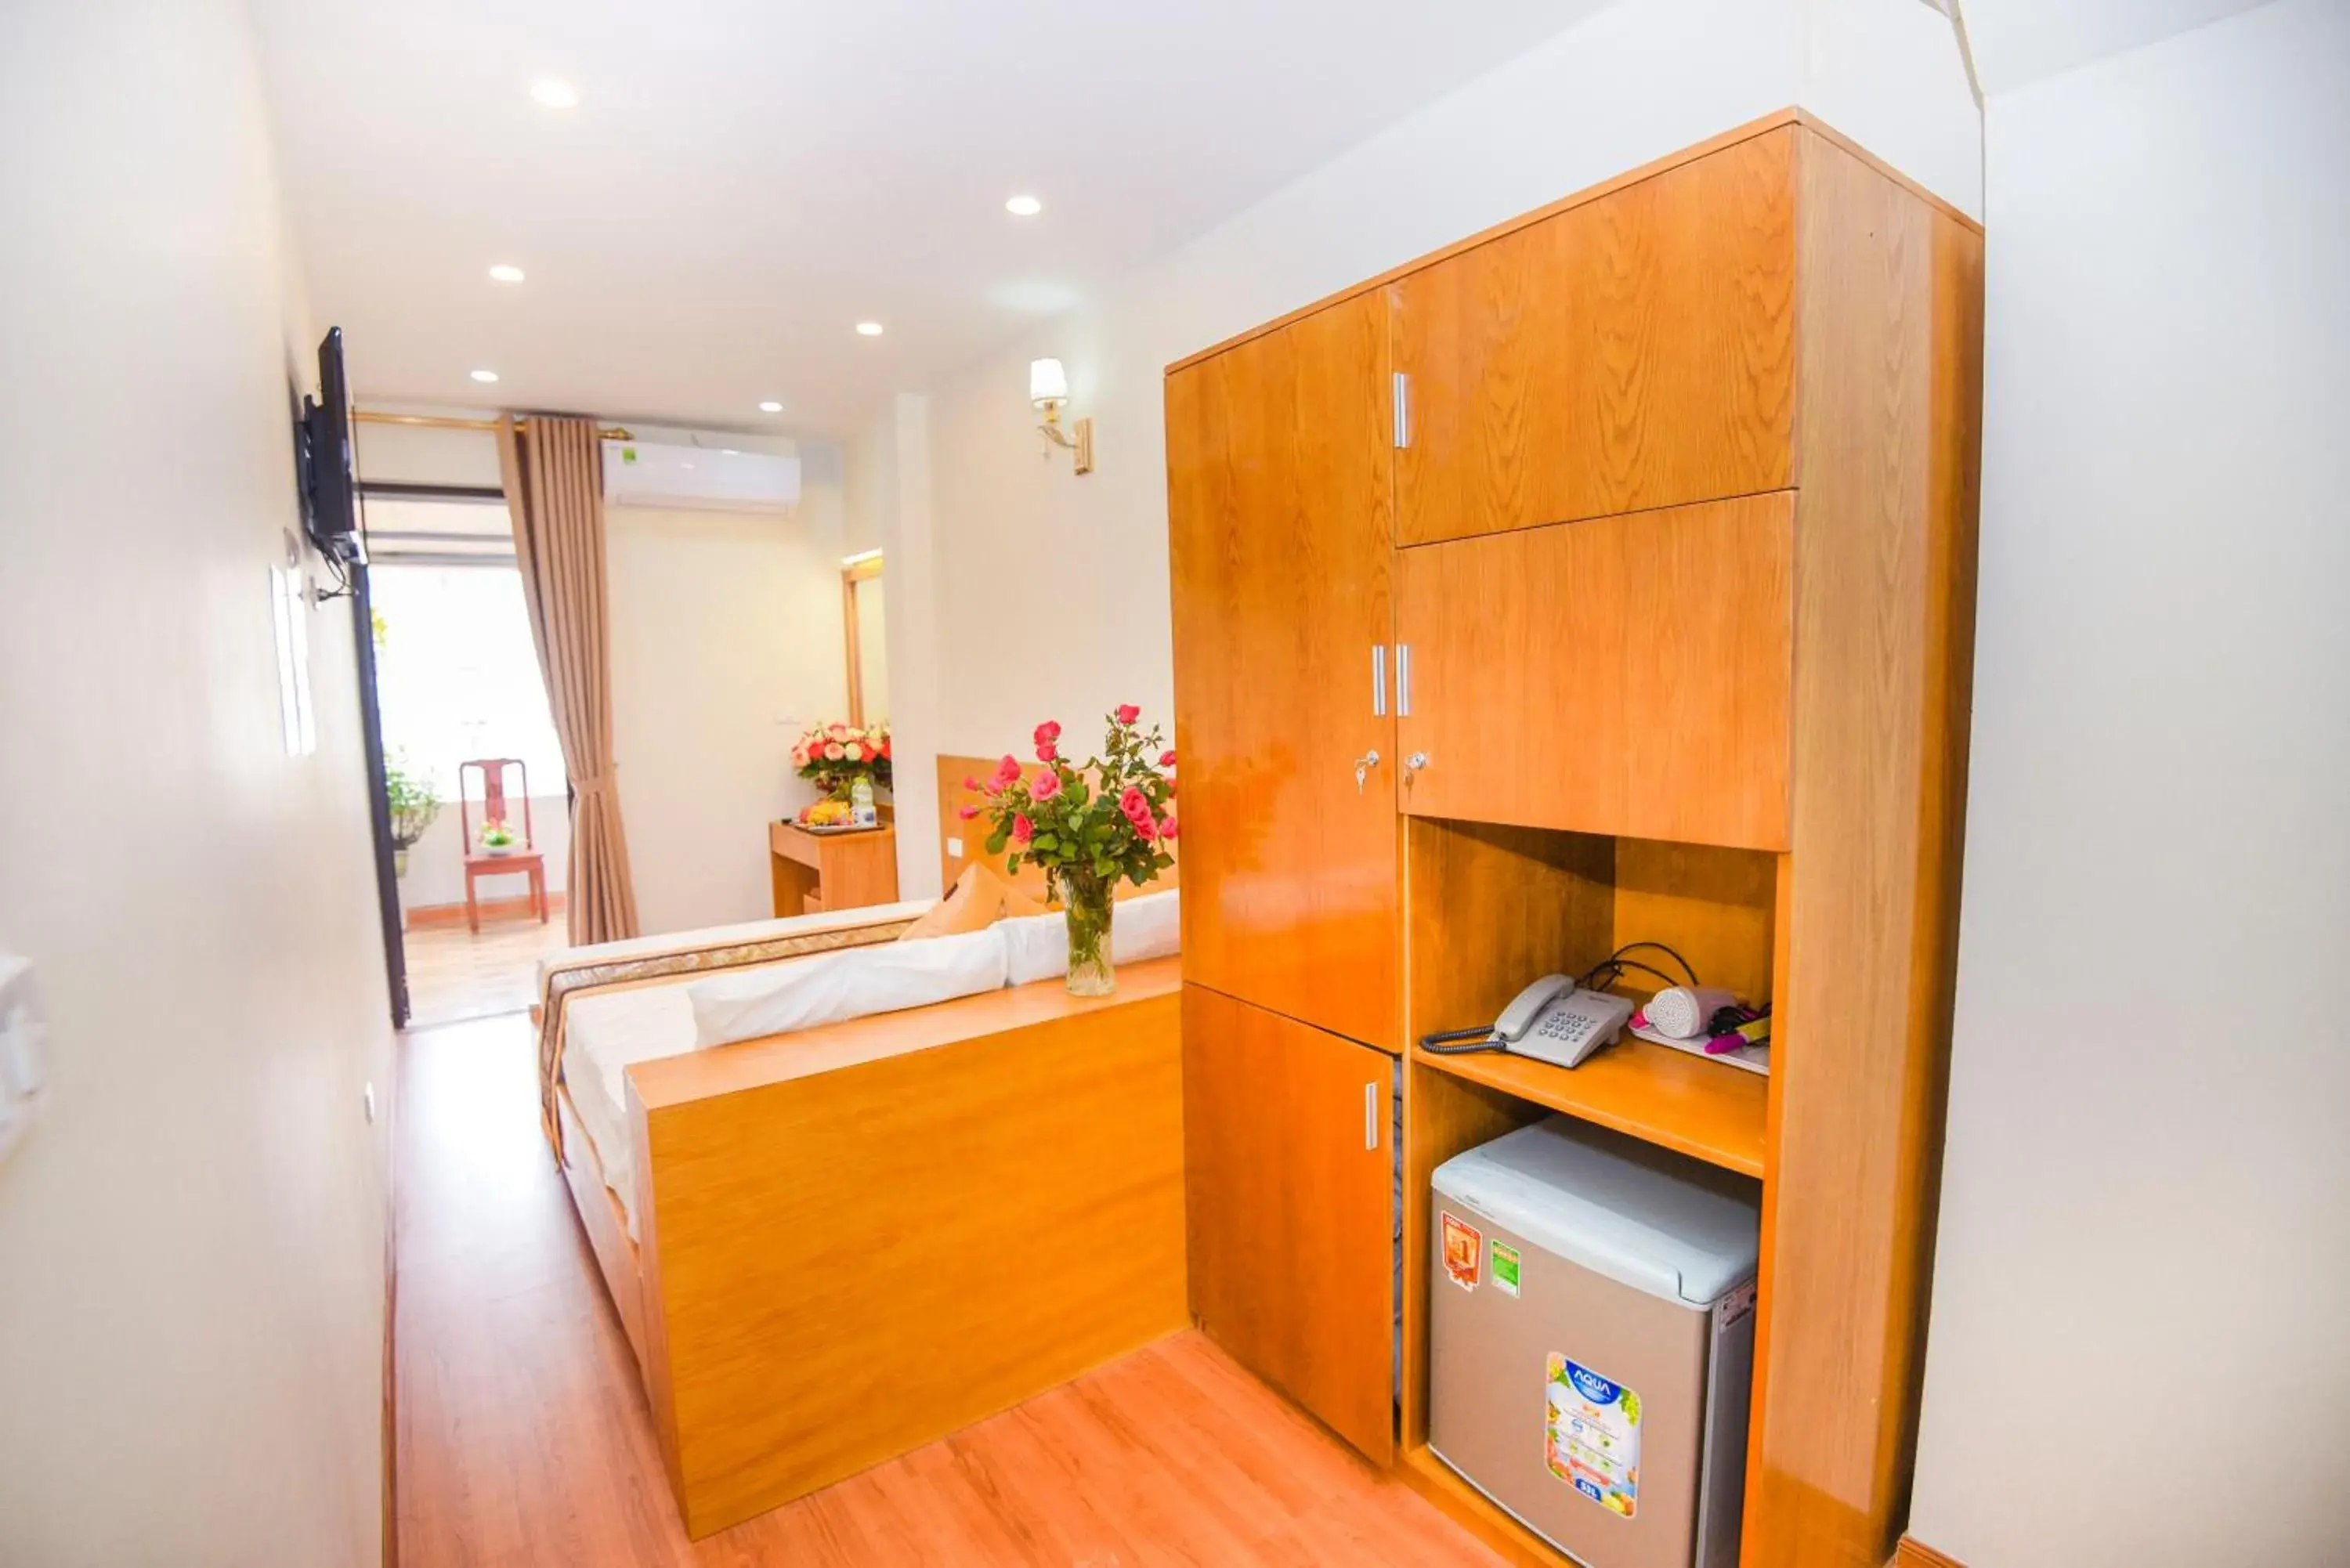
(1607, 971)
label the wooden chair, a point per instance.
(525, 859)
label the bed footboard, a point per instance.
(860, 1237)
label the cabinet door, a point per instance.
(1627, 675)
(1278, 456)
(1635, 351)
(1289, 1198)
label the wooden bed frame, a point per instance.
(859, 1237)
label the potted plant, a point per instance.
(414, 804)
(1087, 824)
(498, 838)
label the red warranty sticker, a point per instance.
(1464, 1252)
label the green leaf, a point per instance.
(1048, 841)
(1162, 861)
(998, 840)
(1013, 863)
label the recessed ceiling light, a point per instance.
(1023, 206)
(503, 272)
(553, 94)
(486, 377)
(771, 407)
(869, 329)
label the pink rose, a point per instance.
(1128, 714)
(836, 731)
(1023, 830)
(1167, 758)
(972, 785)
(1048, 785)
(1008, 771)
(835, 752)
(885, 748)
(967, 812)
(1166, 827)
(1136, 807)
(1047, 733)
(1047, 753)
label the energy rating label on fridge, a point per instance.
(1592, 1438)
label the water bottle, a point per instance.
(860, 804)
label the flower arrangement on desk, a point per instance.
(1087, 824)
(834, 756)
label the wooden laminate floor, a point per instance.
(453, 975)
(524, 1436)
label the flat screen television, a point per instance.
(329, 487)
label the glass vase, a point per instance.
(1086, 906)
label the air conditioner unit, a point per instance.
(699, 478)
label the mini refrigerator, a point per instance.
(1591, 1341)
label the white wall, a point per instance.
(192, 1240)
(890, 507)
(726, 642)
(1054, 596)
(2136, 1352)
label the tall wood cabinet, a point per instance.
(1607, 577)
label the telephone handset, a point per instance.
(1550, 1021)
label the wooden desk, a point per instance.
(813, 871)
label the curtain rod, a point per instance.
(450, 422)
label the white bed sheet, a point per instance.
(603, 1035)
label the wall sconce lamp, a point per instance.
(1049, 389)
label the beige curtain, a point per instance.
(554, 472)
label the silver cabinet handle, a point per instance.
(1371, 1115)
(1417, 761)
(1363, 766)
(1379, 681)
(1402, 410)
(1403, 679)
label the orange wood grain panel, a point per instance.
(1761, 125)
(831, 871)
(1891, 303)
(1713, 906)
(1290, 1208)
(1277, 490)
(1492, 907)
(1915, 1553)
(1667, 1097)
(1626, 675)
(872, 1245)
(1635, 352)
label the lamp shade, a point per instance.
(1047, 382)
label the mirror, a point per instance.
(865, 630)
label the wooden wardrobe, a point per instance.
(1606, 576)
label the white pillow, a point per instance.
(852, 984)
(1146, 927)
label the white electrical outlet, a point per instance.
(954, 848)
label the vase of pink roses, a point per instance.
(1088, 825)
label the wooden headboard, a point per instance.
(972, 836)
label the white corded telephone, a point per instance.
(1553, 1021)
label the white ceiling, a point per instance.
(744, 180)
(2016, 42)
